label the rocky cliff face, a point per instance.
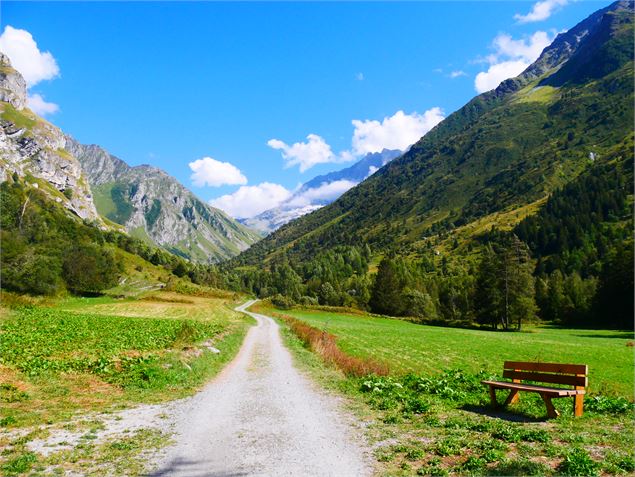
(12, 84)
(33, 148)
(154, 206)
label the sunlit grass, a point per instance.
(421, 349)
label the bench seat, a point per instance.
(559, 392)
(574, 375)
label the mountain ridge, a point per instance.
(504, 148)
(152, 205)
(300, 203)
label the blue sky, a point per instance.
(172, 83)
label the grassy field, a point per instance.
(410, 348)
(431, 415)
(63, 358)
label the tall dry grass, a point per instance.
(325, 345)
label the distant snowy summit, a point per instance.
(320, 191)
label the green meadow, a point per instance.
(412, 348)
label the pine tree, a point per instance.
(386, 296)
(505, 285)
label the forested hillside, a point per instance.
(47, 250)
(533, 179)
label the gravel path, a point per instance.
(260, 416)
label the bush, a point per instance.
(282, 302)
(90, 268)
(34, 273)
(308, 301)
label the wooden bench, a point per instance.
(553, 373)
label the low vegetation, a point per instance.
(324, 344)
(61, 357)
(431, 415)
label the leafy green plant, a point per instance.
(609, 405)
(448, 446)
(19, 464)
(578, 462)
(473, 466)
(39, 340)
(414, 453)
(520, 467)
(618, 463)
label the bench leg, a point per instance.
(512, 398)
(578, 405)
(492, 396)
(551, 411)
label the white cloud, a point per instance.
(497, 73)
(528, 49)
(326, 192)
(33, 64)
(511, 57)
(208, 171)
(372, 170)
(457, 73)
(396, 132)
(38, 105)
(249, 201)
(306, 154)
(540, 11)
(359, 76)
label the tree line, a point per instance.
(571, 263)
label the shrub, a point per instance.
(282, 302)
(308, 301)
(90, 268)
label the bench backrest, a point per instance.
(555, 373)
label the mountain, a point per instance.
(320, 191)
(91, 183)
(154, 206)
(502, 153)
(33, 149)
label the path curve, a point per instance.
(260, 416)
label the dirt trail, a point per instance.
(260, 416)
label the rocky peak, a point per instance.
(149, 203)
(32, 147)
(12, 84)
(594, 28)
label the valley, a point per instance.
(205, 316)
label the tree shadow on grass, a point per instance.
(501, 413)
(625, 335)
